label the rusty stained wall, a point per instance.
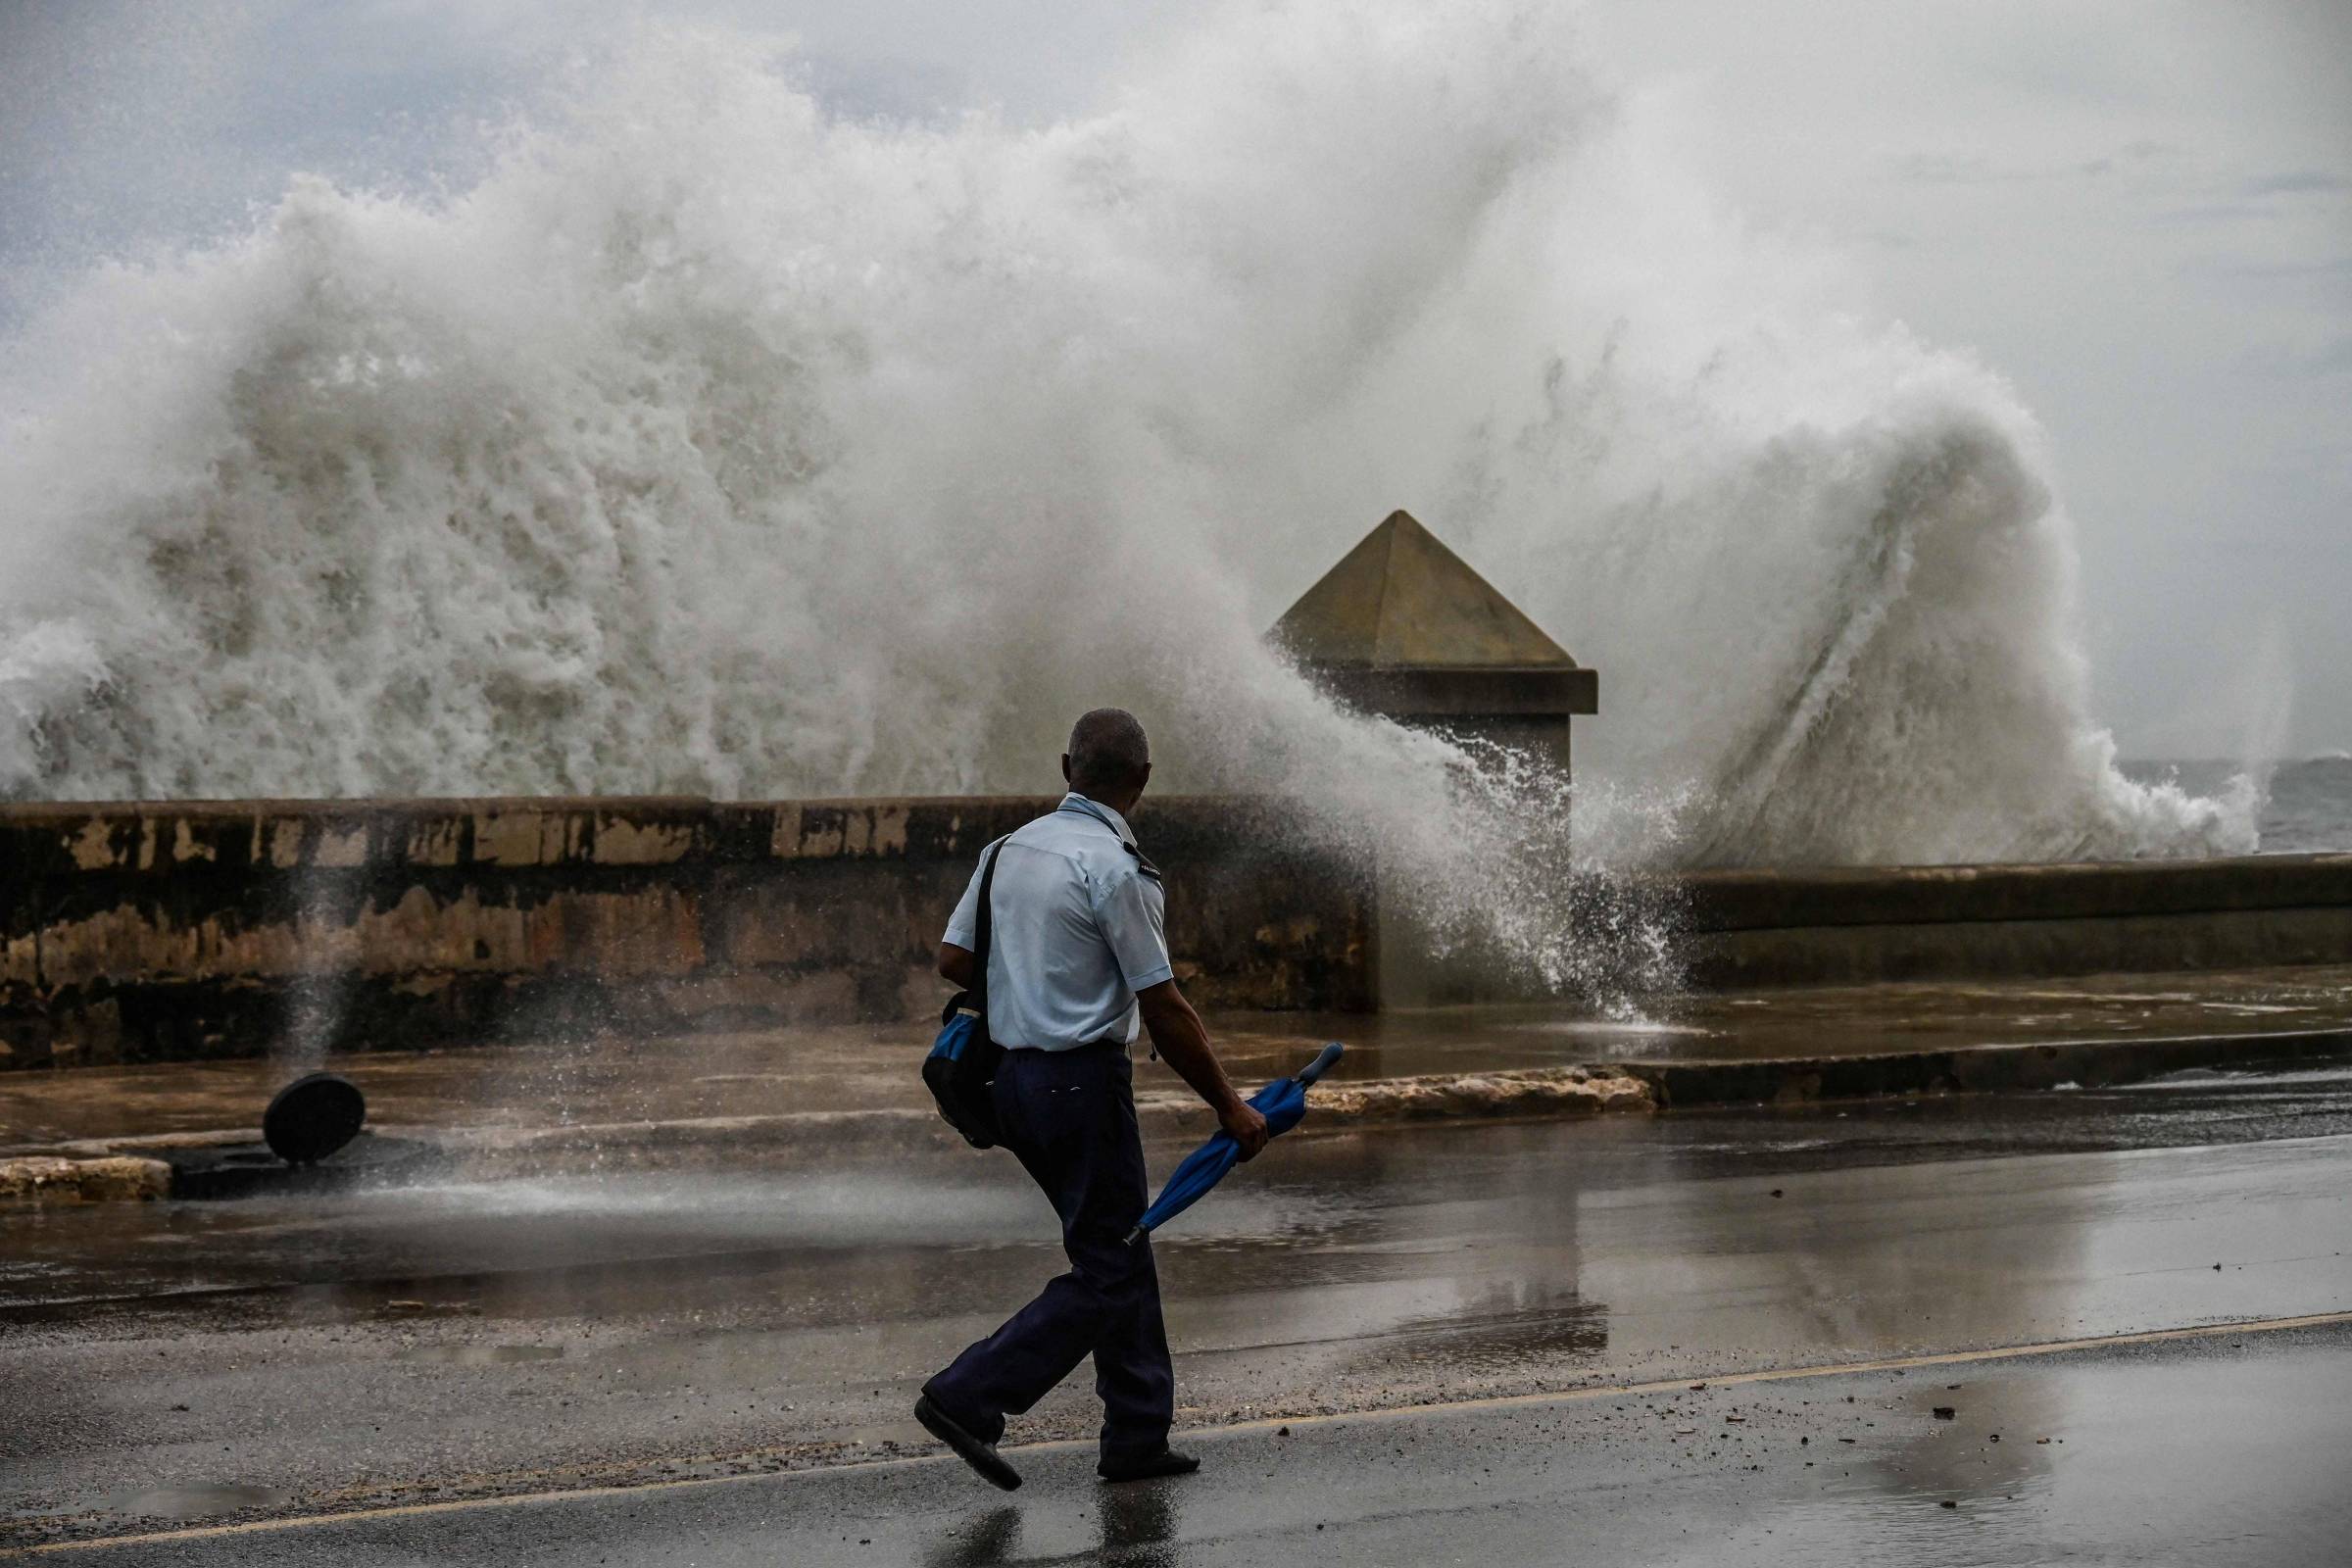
(133, 932)
(144, 932)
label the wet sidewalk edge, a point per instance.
(189, 1164)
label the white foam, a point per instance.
(713, 445)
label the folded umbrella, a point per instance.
(1282, 1103)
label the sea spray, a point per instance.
(711, 443)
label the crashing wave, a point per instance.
(714, 443)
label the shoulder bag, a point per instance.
(961, 1069)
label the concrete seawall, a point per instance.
(148, 932)
(1839, 925)
(163, 931)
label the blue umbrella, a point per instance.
(1282, 1103)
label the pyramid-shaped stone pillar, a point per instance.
(1402, 627)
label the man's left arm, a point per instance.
(1130, 910)
(1183, 1043)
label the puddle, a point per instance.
(482, 1354)
(2305, 1079)
(1508, 1341)
(193, 1502)
(1607, 1027)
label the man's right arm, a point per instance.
(957, 954)
(1177, 1032)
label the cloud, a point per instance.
(2257, 199)
(1949, 168)
(2297, 183)
(2320, 290)
(1974, 169)
(2131, 155)
(2279, 363)
(2333, 270)
(2227, 212)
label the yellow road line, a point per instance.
(1729, 1380)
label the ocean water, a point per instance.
(713, 442)
(2307, 805)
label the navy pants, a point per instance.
(1069, 1118)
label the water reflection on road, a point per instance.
(615, 1325)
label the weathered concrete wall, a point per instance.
(1843, 925)
(137, 932)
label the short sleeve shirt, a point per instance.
(1078, 929)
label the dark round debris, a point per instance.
(312, 1117)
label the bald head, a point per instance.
(1108, 759)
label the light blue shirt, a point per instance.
(1078, 930)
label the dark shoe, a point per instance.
(981, 1456)
(1150, 1467)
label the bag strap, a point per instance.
(981, 924)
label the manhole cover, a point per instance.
(312, 1117)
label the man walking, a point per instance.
(1077, 955)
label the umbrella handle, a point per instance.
(1321, 1064)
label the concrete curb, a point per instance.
(114, 1178)
(127, 1169)
(480, 1152)
(1442, 1096)
(1341, 1107)
(1973, 1069)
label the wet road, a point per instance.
(848, 1067)
(2212, 1449)
(175, 1364)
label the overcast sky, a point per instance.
(2140, 210)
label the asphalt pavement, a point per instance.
(2212, 1449)
(716, 1366)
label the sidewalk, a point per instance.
(825, 1088)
